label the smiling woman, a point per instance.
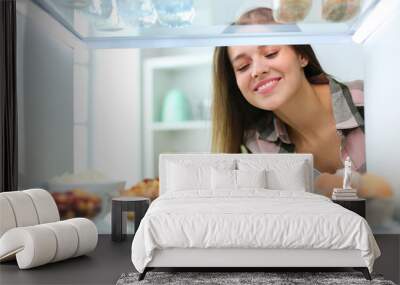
(278, 99)
(262, 71)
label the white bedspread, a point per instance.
(250, 219)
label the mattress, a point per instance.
(250, 219)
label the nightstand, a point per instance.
(120, 207)
(355, 205)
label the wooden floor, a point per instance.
(103, 266)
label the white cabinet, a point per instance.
(191, 75)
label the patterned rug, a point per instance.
(269, 278)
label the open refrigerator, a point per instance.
(93, 76)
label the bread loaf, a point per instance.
(148, 188)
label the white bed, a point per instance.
(201, 220)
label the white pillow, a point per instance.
(228, 179)
(251, 178)
(193, 174)
(223, 179)
(282, 174)
(292, 179)
(182, 177)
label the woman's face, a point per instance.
(267, 76)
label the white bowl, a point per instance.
(105, 190)
(93, 187)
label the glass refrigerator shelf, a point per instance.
(181, 23)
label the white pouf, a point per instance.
(7, 220)
(67, 240)
(23, 208)
(45, 205)
(87, 234)
(33, 246)
(31, 232)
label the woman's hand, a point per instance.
(325, 183)
(369, 185)
(374, 186)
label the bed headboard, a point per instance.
(270, 157)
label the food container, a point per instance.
(291, 11)
(340, 10)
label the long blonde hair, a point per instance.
(232, 115)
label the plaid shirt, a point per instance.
(270, 134)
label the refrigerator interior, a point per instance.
(92, 103)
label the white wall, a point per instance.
(44, 80)
(382, 91)
(82, 69)
(344, 61)
(116, 114)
